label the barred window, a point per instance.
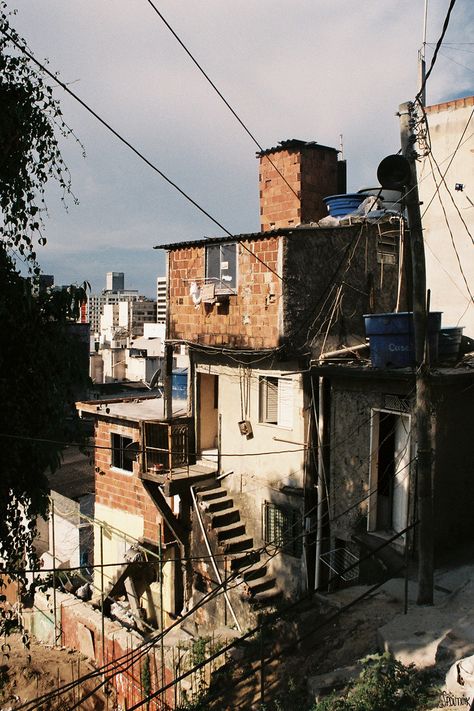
(283, 526)
(121, 459)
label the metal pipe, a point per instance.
(213, 561)
(54, 573)
(162, 644)
(102, 592)
(342, 351)
(319, 419)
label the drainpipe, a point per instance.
(319, 419)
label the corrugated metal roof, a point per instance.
(294, 144)
(226, 238)
(305, 227)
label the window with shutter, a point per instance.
(276, 401)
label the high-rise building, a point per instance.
(161, 293)
(115, 281)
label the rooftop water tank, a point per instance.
(391, 199)
(341, 205)
(392, 340)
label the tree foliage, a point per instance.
(40, 359)
(30, 125)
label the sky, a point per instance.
(306, 69)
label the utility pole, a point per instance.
(423, 399)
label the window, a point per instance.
(221, 267)
(276, 401)
(121, 458)
(283, 526)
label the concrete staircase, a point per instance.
(227, 529)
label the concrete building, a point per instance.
(68, 534)
(253, 309)
(446, 179)
(270, 319)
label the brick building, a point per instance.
(134, 444)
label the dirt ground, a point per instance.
(26, 675)
(325, 645)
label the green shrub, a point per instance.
(384, 684)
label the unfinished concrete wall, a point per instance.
(351, 491)
(333, 277)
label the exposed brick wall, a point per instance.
(309, 174)
(251, 317)
(451, 105)
(122, 490)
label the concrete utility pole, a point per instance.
(423, 399)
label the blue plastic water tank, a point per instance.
(179, 384)
(340, 205)
(391, 338)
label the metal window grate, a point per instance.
(282, 526)
(396, 403)
(340, 560)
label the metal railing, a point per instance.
(168, 445)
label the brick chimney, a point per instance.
(310, 172)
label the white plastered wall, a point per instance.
(449, 292)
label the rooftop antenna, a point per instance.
(421, 59)
(341, 146)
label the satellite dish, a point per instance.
(394, 172)
(154, 379)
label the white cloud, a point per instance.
(299, 69)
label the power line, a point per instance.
(219, 93)
(437, 48)
(132, 148)
(41, 440)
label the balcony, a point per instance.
(170, 457)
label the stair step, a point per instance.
(233, 530)
(258, 570)
(260, 585)
(224, 502)
(266, 597)
(239, 543)
(213, 493)
(225, 517)
(244, 559)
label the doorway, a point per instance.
(389, 471)
(208, 412)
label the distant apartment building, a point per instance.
(161, 291)
(114, 293)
